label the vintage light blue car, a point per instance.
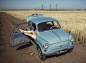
(50, 40)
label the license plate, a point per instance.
(62, 51)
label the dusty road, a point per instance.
(18, 54)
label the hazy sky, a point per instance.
(37, 4)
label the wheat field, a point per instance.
(69, 20)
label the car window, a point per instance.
(49, 25)
(33, 26)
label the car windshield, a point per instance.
(49, 25)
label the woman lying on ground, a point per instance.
(29, 33)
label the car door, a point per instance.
(16, 37)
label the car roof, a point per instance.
(42, 19)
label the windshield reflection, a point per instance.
(49, 25)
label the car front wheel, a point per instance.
(41, 56)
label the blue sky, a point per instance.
(37, 4)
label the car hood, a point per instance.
(54, 36)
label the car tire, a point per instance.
(41, 56)
(71, 50)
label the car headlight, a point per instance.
(71, 39)
(45, 45)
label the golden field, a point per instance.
(69, 20)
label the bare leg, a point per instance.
(34, 37)
(33, 32)
(28, 33)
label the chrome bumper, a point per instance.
(57, 51)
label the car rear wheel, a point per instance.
(41, 56)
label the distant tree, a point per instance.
(78, 9)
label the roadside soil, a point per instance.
(18, 54)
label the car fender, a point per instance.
(40, 43)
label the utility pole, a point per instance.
(42, 6)
(50, 6)
(56, 6)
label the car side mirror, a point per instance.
(69, 32)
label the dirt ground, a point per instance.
(18, 54)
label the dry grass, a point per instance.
(69, 20)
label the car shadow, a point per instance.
(24, 46)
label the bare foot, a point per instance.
(22, 31)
